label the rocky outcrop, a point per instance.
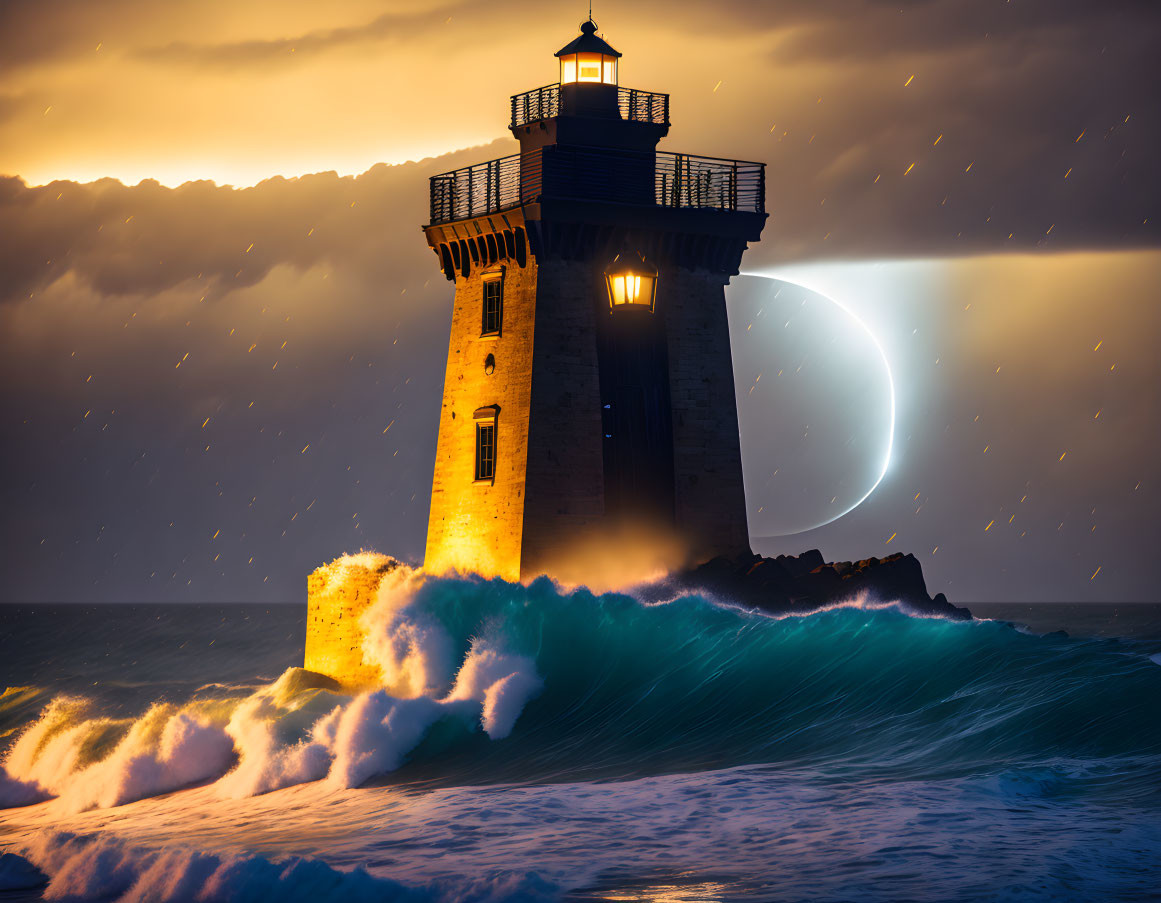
(807, 582)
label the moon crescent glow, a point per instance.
(891, 393)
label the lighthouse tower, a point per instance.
(588, 407)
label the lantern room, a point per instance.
(588, 59)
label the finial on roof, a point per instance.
(587, 42)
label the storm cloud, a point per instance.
(929, 127)
(144, 239)
(208, 389)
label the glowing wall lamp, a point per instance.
(632, 282)
(588, 59)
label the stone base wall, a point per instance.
(337, 595)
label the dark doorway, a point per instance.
(636, 416)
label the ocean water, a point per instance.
(535, 744)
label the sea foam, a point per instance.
(104, 868)
(300, 728)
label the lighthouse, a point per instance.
(588, 410)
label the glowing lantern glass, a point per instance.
(588, 67)
(632, 282)
(588, 59)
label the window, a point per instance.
(485, 450)
(493, 306)
(588, 67)
(486, 418)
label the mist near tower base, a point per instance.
(523, 739)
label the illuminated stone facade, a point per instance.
(548, 497)
(338, 594)
(477, 525)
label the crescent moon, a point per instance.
(891, 392)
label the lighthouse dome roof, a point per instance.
(587, 42)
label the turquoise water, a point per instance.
(682, 751)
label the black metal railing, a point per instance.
(535, 105)
(599, 174)
(633, 105)
(643, 106)
(683, 180)
(476, 190)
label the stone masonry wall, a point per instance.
(337, 595)
(566, 488)
(710, 496)
(566, 506)
(478, 526)
(547, 500)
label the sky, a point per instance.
(223, 334)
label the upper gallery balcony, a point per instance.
(633, 105)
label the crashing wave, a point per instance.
(489, 681)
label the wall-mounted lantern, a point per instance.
(632, 282)
(588, 59)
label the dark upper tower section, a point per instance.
(588, 154)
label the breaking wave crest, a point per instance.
(486, 681)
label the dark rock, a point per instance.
(807, 582)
